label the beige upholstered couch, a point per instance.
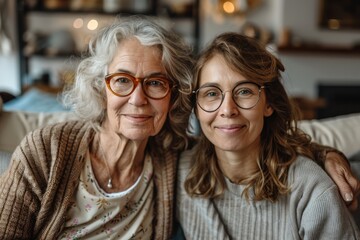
(342, 132)
(15, 125)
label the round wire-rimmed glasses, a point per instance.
(123, 84)
(245, 95)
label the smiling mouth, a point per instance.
(231, 128)
(138, 118)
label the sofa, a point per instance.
(341, 132)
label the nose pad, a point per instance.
(228, 107)
(138, 97)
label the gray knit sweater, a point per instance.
(37, 188)
(313, 210)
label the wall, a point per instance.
(213, 22)
(9, 73)
(303, 71)
(8, 59)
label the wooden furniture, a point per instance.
(50, 9)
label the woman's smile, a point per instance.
(232, 128)
(138, 118)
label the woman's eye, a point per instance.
(210, 93)
(122, 80)
(244, 92)
(155, 82)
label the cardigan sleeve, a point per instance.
(36, 190)
(20, 195)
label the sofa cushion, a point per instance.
(341, 132)
(15, 125)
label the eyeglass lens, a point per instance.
(245, 95)
(122, 84)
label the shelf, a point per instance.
(55, 55)
(88, 11)
(154, 8)
(318, 49)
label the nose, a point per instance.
(228, 107)
(138, 97)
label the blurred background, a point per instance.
(318, 41)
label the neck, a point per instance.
(238, 167)
(117, 158)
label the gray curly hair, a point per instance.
(87, 96)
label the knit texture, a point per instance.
(37, 188)
(313, 210)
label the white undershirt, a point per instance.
(96, 214)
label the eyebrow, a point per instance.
(155, 74)
(215, 84)
(210, 85)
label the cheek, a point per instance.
(256, 120)
(115, 103)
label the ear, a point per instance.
(268, 111)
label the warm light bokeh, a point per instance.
(78, 23)
(229, 7)
(92, 24)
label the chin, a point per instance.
(135, 135)
(226, 146)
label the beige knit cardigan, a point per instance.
(36, 190)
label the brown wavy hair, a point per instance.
(281, 140)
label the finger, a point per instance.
(339, 176)
(344, 188)
(349, 187)
(355, 187)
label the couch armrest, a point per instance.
(15, 125)
(341, 132)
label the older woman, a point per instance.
(111, 176)
(252, 174)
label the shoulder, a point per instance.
(308, 178)
(62, 129)
(305, 169)
(61, 142)
(52, 137)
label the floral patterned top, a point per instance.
(96, 214)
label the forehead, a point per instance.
(131, 54)
(218, 70)
(135, 47)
